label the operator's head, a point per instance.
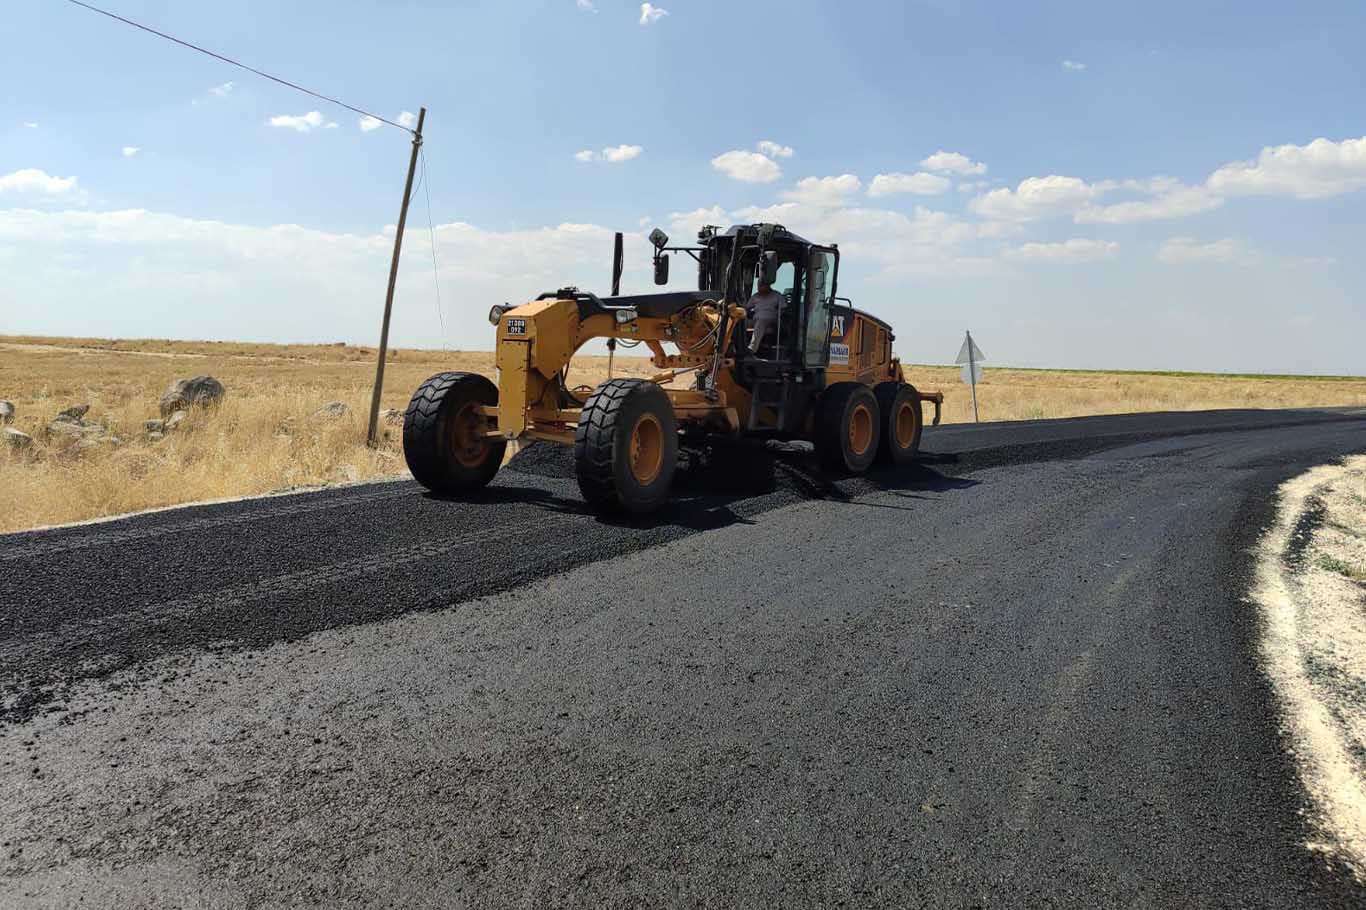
(764, 285)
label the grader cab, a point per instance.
(826, 375)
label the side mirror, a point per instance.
(769, 268)
(658, 239)
(662, 269)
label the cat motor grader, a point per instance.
(828, 377)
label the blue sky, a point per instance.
(1135, 185)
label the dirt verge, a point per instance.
(1311, 587)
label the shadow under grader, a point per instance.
(711, 484)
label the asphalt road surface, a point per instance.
(1022, 673)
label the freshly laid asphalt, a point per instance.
(1023, 672)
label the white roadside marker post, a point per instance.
(970, 355)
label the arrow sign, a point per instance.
(970, 352)
(971, 357)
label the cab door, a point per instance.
(822, 265)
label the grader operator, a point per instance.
(823, 372)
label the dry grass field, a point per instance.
(267, 435)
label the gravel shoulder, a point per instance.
(1312, 591)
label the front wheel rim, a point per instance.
(645, 452)
(468, 444)
(905, 425)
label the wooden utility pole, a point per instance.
(372, 438)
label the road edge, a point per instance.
(1336, 794)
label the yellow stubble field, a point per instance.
(267, 435)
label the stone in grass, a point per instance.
(199, 391)
(154, 426)
(91, 443)
(332, 409)
(6, 411)
(392, 416)
(175, 420)
(74, 414)
(16, 441)
(73, 429)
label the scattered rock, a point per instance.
(155, 435)
(17, 441)
(74, 414)
(392, 415)
(6, 411)
(175, 420)
(183, 394)
(154, 426)
(332, 409)
(73, 429)
(90, 443)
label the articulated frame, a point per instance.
(536, 342)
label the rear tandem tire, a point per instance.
(848, 428)
(440, 433)
(626, 447)
(902, 422)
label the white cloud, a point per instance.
(1073, 65)
(33, 180)
(651, 13)
(1172, 200)
(893, 244)
(368, 123)
(686, 224)
(303, 123)
(774, 150)
(283, 282)
(408, 119)
(920, 183)
(615, 154)
(1036, 197)
(748, 167)
(1184, 250)
(999, 229)
(1320, 169)
(953, 163)
(827, 192)
(29, 124)
(586, 6)
(1068, 252)
(222, 91)
(620, 153)
(970, 186)
(130, 150)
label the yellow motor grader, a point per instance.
(827, 376)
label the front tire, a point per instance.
(848, 428)
(442, 433)
(626, 447)
(902, 422)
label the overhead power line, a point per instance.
(250, 69)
